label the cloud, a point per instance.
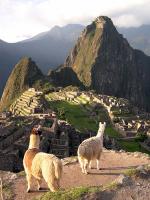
(20, 19)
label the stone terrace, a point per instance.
(28, 103)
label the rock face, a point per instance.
(64, 77)
(24, 75)
(104, 61)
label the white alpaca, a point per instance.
(91, 149)
(39, 164)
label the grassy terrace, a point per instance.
(74, 114)
(79, 116)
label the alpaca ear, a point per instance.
(39, 127)
(104, 123)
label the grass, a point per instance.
(7, 191)
(132, 146)
(113, 185)
(74, 114)
(72, 194)
(131, 172)
(112, 132)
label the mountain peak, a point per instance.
(24, 75)
(101, 20)
(104, 61)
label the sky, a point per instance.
(22, 19)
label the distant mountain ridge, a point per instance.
(48, 49)
(138, 37)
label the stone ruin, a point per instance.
(30, 102)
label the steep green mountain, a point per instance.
(104, 61)
(25, 74)
(48, 49)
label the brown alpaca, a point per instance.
(39, 164)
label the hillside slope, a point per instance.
(24, 75)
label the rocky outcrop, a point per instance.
(104, 61)
(64, 77)
(24, 75)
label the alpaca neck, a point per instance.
(34, 141)
(100, 135)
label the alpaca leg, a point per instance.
(58, 183)
(86, 163)
(39, 184)
(97, 161)
(81, 161)
(51, 186)
(28, 176)
(90, 165)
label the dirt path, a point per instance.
(112, 164)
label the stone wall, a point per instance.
(9, 162)
(11, 138)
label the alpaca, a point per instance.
(39, 164)
(91, 149)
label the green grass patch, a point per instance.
(79, 116)
(74, 114)
(110, 131)
(132, 146)
(131, 172)
(111, 186)
(72, 194)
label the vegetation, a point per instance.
(74, 114)
(7, 191)
(132, 146)
(141, 137)
(72, 194)
(131, 172)
(112, 132)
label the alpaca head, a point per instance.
(101, 129)
(35, 137)
(36, 131)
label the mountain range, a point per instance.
(138, 37)
(48, 49)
